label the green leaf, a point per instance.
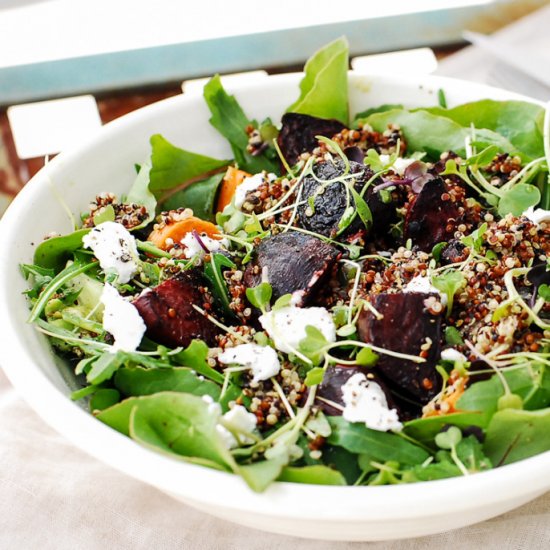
(474, 241)
(230, 120)
(314, 376)
(380, 109)
(140, 194)
(178, 423)
(449, 438)
(53, 253)
(449, 283)
(118, 416)
(283, 301)
(134, 381)
(425, 430)
(483, 158)
(453, 336)
(313, 344)
(381, 446)
(518, 199)
(324, 88)
(362, 208)
(260, 296)
(437, 250)
(366, 357)
(195, 356)
(260, 475)
(514, 434)
(431, 472)
(172, 167)
(544, 292)
(104, 214)
(515, 120)
(199, 197)
(434, 134)
(104, 398)
(213, 272)
(104, 367)
(314, 475)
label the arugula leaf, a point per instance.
(362, 208)
(515, 120)
(381, 446)
(53, 253)
(213, 272)
(104, 367)
(324, 88)
(229, 119)
(172, 167)
(315, 475)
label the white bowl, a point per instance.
(106, 163)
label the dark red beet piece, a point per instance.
(429, 215)
(168, 312)
(294, 262)
(331, 387)
(298, 133)
(405, 327)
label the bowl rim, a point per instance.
(282, 499)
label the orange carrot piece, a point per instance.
(232, 179)
(177, 230)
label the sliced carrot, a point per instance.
(177, 230)
(232, 179)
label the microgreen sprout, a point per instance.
(449, 440)
(260, 296)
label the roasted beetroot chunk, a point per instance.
(293, 262)
(331, 387)
(169, 315)
(405, 327)
(430, 216)
(298, 133)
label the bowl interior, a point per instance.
(106, 163)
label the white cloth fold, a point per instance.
(55, 497)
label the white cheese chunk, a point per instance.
(121, 319)
(452, 354)
(262, 360)
(537, 216)
(400, 164)
(240, 420)
(193, 247)
(251, 184)
(115, 248)
(287, 326)
(423, 284)
(366, 402)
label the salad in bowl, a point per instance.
(354, 298)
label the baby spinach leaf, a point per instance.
(424, 430)
(139, 381)
(515, 120)
(514, 434)
(199, 196)
(342, 460)
(53, 253)
(104, 398)
(230, 120)
(381, 446)
(380, 109)
(324, 88)
(118, 416)
(178, 423)
(172, 167)
(315, 475)
(518, 199)
(431, 472)
(434, 134)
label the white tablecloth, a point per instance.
(55, 497)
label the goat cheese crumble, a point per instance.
(400, 164)
(287, 326)
(193, 247)
(537, 216)
(365, 401)
(262, 360)
(452, 354)
(251, 184)
(115, 248)
(240, 420)
(423, 284)
(122, 320)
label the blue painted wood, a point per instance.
(148, 66)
